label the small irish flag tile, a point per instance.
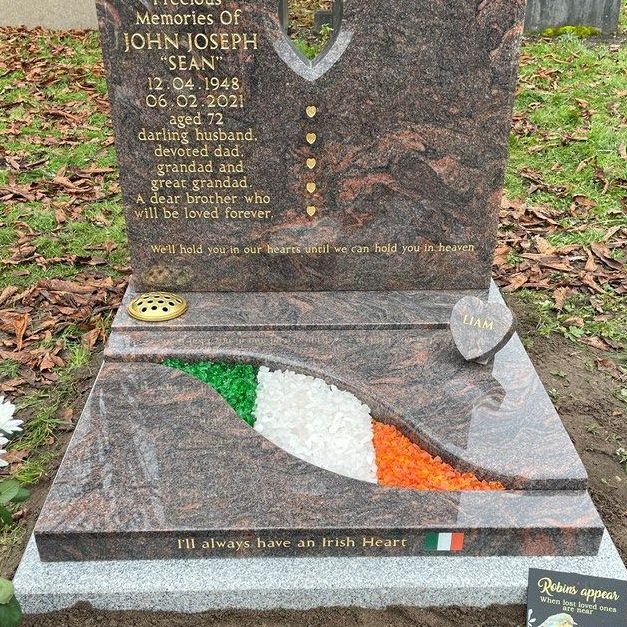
(444, 542)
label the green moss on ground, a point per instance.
(236, 383)
(582, 32)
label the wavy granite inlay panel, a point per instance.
(395, 352)
(158, 456)
(414, 379)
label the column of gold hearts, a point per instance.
(311, 139)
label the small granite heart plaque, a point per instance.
(480, 329)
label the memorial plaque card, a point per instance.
(558, 599)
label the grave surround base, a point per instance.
(160, 467)
(266, 584)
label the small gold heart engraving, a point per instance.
(311, 187)
(311, 211)
(311, 138)
(311, 111)
(311, 163)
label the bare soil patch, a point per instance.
(393, 617)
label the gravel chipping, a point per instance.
(316, 422)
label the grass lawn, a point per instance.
(568, 157)
(563, 239)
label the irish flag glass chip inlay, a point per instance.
(445, 542)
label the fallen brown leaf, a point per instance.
(596, 342)
(559, 297)
(20, 324)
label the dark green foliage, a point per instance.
(10, 492)
(10, 610)
(11, 614)
(236, 383)
(310, 49)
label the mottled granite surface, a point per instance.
(160, 464)
(495, 420)
(480, 329)
(297, 583)
(402, 126)
(413, 109)
(232, 311)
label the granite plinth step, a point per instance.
(293, 583)
(161, 467)
(303, 311)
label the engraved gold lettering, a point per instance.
(480, 323)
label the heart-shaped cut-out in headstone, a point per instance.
(311, 138)
(308, 59)
(311, 187)
(311, 211)
(311, 111)
(311, 163)
(480, 329)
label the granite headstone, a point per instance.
(368, 181)
(246, 167)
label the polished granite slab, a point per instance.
(161, 467)
(413, 105)
(495, 420)
(267, 311)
